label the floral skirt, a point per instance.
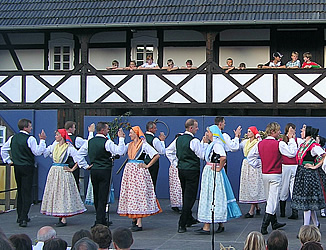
(61, 197)
(175, 188)
(251, 184)
(309, 189)
(137, 197)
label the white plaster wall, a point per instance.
(31, 59)
(250, 55)
(183, 35)
(245, 35)
(109, 37)
(6, 62)
(101, 58)
(181, 54)
(26, 38)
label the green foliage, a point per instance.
(119, 122)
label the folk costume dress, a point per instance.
(309, 184)
(61, 197)
(225, 202)
(137, 197)
(251, 180)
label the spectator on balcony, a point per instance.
(295, 62)
(189, 65)
(115, 66)
(170, 66)
(275, 63)
(149, 64)
(308, 64)
(132, 65)
(242, 66)
(229, 65)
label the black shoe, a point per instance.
(282, 208)
(182, 229)
(220, 229)
(176, 209)
(136, 229)
(294, 214)
(28, 220)
(248, 215)
(275, 224)
(60, 224)
(258, 211)
(192, 222)
(265, 224)
(202, 231)
(134, 223)
(23, 223)
(109, 223)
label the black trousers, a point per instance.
(24, 180)
(189, 180)
(153, 170)
(101, 179)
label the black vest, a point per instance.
(149, 139)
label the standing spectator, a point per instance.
(102, 236)
(295, 62)
(21, 241)
(55, 244)
(255, 241)
(79, 235)
(308, 64)
(23, 147)
(309, 233)
(277, 241)
(45, 233)
(170, 66)
(149, 64)
(122, 238)
(275, 63)
(229, 65)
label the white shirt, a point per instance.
(31, 143)
(231, 144)
(146, 65)
(38, 246)
(71, 151)
(195, 145)
(79, 142)
(109, 146)
(289, 150)
(146, 148)
(158, 144)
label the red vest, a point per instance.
(271, 158)
(290, 161)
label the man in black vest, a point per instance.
(158, 144)
(77, 142)
(189, 151)
(23, 148)
(101, 150)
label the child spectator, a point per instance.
(21, 241)
(308, 64)
(170, 66)
(255, 241)
(277, 240)
(229, 65)
(132, 65)
(115, 65)
(276, 62)
(311, 245)
(102, 236)
(149, 64)
(55, 244)
(189, 65)
(79, 235)
(122, 238)
(242, 66)
(294, 63)
(309, 233)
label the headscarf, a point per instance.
(254, 130)
(250, 144)
(132, 148)
(64, 135)
(217, 134)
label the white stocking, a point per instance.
(306, 217)
(314, 218)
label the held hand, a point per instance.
(121, 133)
(216, 167)
(162, 136)
(237, 132)
(89, 167)
(91, 128)
(205, 138)
(142, 165)
(308, 165)
(67, 169)
(42, 135)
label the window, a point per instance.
(2, 135)
(61, 54)
(142, 51)
(142, 47)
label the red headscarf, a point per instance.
(254, 130)
(64, 135)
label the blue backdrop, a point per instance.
(176, 125)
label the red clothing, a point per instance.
(311, 64)
(271, 158)
(290, 161)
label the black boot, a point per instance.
(266, 221)
(282, 208)
(294, 214)
(275, 224)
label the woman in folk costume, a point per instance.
(251, 180)
(61, 197)
(174, 182)
(225, 204)
(137, 197)
(310, 179)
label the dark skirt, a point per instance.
(309, 189)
